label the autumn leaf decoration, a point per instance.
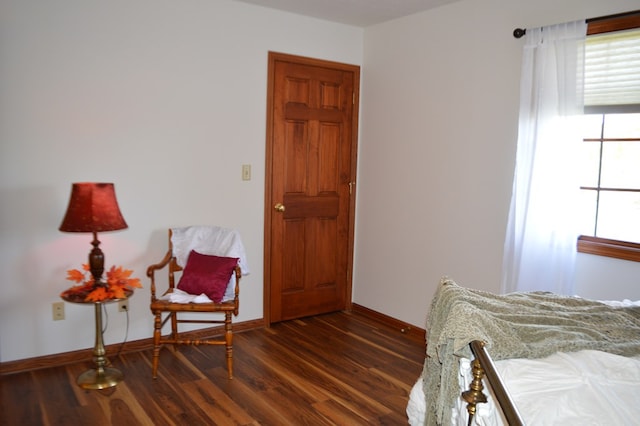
(118, 285)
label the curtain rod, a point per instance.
(520, 32)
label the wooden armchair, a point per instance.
(166, 304)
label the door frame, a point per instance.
(268, 208)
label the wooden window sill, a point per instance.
(609, 248)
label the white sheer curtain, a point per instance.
(540, 242)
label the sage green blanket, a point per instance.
(516, 325)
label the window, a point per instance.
(610, 175)
(610, 180)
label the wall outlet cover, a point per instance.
(58, 311)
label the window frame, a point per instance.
(596, 245)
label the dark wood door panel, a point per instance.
(310, 166)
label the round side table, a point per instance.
(101, 377)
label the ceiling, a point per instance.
(360, 13)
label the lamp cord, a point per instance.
(126, 335)
(106, 317)
(106, 324)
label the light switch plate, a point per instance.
(246, 172)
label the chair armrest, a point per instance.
(153, 268)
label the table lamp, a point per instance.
(93, 208)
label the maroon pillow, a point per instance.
(207, 274)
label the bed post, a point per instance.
(486, 367)
(474, 395)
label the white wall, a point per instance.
(167, 100)
(437, 153)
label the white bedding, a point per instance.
(579, 388)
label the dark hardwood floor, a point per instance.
(334, 369)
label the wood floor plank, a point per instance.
(221, 409)
(288, 372)
(16, 394)
(282, 386)
(345, 385)
(353, 364)
(335, 369)
(339, 414)
(163, 399)
(253, 400)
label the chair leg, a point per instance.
(157, 330)
(174, 327)
(228, 337)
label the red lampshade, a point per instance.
(93, 208)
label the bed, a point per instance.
(527, 358)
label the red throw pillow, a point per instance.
(207, 274)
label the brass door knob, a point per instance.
(279, 207)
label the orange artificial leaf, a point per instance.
(97, 295)
(134, 282)
(125, 273)
(118, 292)
(75, 275)
(118, 274)
(118, 285)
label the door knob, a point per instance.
(279, 207)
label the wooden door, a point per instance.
(310, 186)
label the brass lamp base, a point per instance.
(100, 379)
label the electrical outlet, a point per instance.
(123, 305)
(58, 311)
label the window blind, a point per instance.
(612, 72)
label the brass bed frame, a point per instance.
(451, 321)
(481, 367)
